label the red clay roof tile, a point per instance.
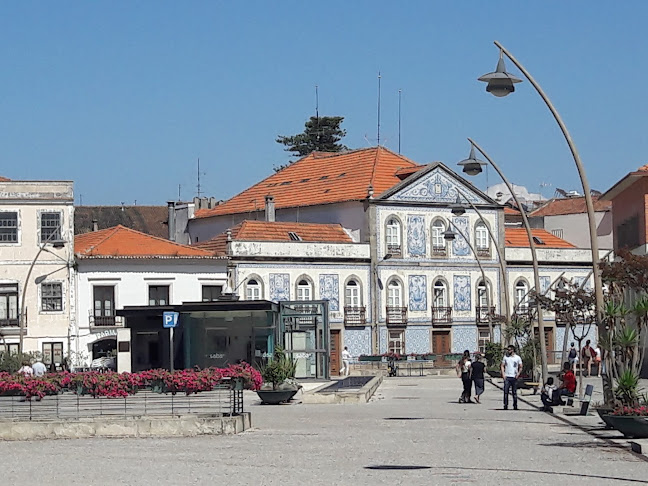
(517, 237)
(572, 205)
(4, 179)
(320, 178)
(121, 242)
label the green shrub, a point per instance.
(493, 353)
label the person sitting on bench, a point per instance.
(568, 387)
(550, 396)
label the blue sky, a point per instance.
(124, 97)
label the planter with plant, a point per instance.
(279, 383)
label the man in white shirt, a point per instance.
(511, 368)
(39, 368)
(346, 362)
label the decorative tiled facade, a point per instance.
(416, 235)
(460, 245)
(417, 339)
(461, 292)
(417, 293)
(329, 290)
(279, 286)
(437, 186)
(464, 337)
(358, 341)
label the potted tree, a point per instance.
(279, 384)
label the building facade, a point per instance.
(37, 300)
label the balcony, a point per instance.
(439, 251)
(10, 322)
(483, 313)
(355, 316)
(102, 322)
(483, 253)
(522, 313)
(394, 251)
(441, 315)
(396, 316)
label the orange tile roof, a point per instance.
(277, 231)
(517, 237)
(4, 179)
(511, 211)
(121, 242)
(320, 178)
(570, 205)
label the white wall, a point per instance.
(30, 200)
(575, 228)
(132, 278)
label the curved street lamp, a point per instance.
(473, 166)
(591, 217)
(458, 209)
(450, 235)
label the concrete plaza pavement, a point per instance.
(412, 432)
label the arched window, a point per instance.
(438, 242)
(522, 296)
(393, 236)
(482, 296)
(352, 294)
(440, 294)
(252, 290)
(394, 294)
(481, 236)
(304, 290)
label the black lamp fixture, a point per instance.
(472, 165)
(500, 83)
(449, 235)
(457, 207)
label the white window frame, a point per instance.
(482, 300)
(41, 297)
(352, 294)
(304, 290)
(394, 293)
(438, 228)
(440, 293)
(253, 289)
(396, 341)
(481, 236)
(393, 232)
(522, 295)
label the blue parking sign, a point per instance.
(170, 319)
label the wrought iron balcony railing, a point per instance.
(439, 251)
(355, 316)
(394, 250)
(483, 312)
(441, 315)
(106, 321)
(396, 316)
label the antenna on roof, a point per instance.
(378, 140)
(400, 91)
(317, 110)
(199, 192)
(179, 198)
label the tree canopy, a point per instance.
(321, 134)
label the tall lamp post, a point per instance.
(501, 83)
(375, 308)
(473, 166)
(56, 243)
(459, 209)
(450, 235)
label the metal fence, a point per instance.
(224, 400)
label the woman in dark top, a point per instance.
(463, 371)
(477, 375)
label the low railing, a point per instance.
(106, 321)
(224, 400)
(355, 316)
(396, 316)
(441, 315)
(483, 252)
(483, 312)
(394, 250)
(10, 322)
(523, 314)
(439, 251)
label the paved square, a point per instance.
(412, 432)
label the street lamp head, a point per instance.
(387, 256)
(58, 243)
(457, 207)
(449, 235)
(500, 83)
(472, 165)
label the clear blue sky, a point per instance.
(123, 96)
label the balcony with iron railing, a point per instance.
(10, 324)
(483, 252)
(522, 313)
(439, 251)
(394, 250)
(482, 314)
(396, 316)
(441, 315)
(355, 316)
(102, 322)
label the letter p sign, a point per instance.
(170, 319)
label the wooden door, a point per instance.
(441, 347)
(549, 343)
(335, 352)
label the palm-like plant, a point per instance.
(627, 389)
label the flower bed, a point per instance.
(120, 385)
(631, 411)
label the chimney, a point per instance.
(269, 208)
(171, 220)
(95, 225)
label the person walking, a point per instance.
(346, 362)
(588, 354)
(463, 371)
(598, 359)
(572, 357)
(39, 368)
(477, 368)
(511, 368)
(26, 369)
